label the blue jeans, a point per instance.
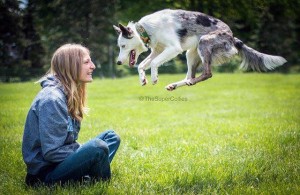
(91, 159)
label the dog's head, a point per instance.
(129, 43)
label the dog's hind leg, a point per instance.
(193, 61)
(205, 53)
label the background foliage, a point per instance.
(31, 30)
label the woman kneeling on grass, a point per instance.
(49, 148)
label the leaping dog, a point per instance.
(168, 33)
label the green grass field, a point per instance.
(232, 134)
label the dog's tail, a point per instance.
(255, 60)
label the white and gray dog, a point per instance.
(168, 33)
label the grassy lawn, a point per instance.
(234, 133)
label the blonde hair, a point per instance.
(66, 66)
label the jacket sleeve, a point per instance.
(53, 123)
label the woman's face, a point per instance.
(87, 69)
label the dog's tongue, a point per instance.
(132, 58)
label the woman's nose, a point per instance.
(93, 66)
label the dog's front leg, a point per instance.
(144, 65)
(141, 69)
(167, 54)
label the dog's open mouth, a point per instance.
(132, 58)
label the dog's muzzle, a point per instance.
(119, 62)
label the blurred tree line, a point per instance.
(31, 30)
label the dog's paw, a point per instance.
(154, 80)
(171, 87)
(190, 82)
(144, 82)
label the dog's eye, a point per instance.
(123, 46)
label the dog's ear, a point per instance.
(117, 29)
(126, 31)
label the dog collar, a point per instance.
(143, 34)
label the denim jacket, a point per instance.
(50, 132)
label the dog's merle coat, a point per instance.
(206, 39)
